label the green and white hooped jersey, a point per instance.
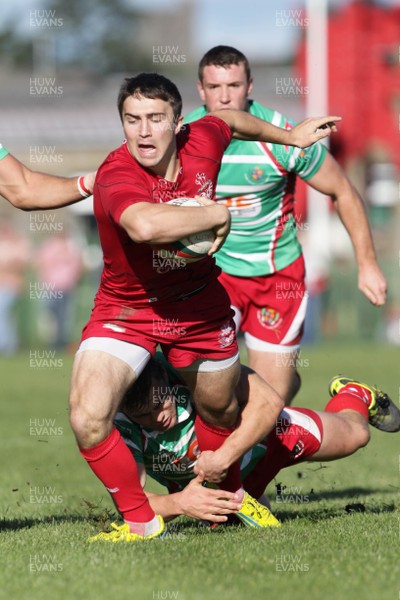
(169, 456)
(257, 183)
(3, 151)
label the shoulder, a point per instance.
(196, 114)
(3, 151)
(208, 129)
(269, 114)
(119, 166)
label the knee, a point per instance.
(222, 413)
(363, 436)
(89, 427)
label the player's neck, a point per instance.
(168, 168)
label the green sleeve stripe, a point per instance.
(3, 151)
(314, 164)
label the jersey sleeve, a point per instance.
(305, 162)
(210, 135)
(194, 115)
(131, 435)
(3, 151)
(118, 188)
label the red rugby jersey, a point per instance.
(140, 273)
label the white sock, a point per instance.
(147, 528)
(240, 493)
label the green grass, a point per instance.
(340, 523)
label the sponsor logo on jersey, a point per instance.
(193, 452)
(269, 318)
(227, 334)
(297, 450)
(206, 188)
(256, 176)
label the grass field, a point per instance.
(340, 522)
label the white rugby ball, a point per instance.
(196, 246)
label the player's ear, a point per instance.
(200, 89)
(178, 124)
(250, 86)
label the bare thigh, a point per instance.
(276, 368)
(99, 381)
(214, 394)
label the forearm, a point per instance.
(31, 190)
(161, 224)
(331, 180)
(245, 126)
(166, 505)
(49, 192)
(196, 501)
(351, 210)
(257, 419)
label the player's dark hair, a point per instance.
(150, 85)
(224, 56)
(137, 395)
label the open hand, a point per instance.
(311, 130)
(199, 502)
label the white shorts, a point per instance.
(137, 357)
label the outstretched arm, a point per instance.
(330, 179)
(245, 126)
(261, 408)
(195, 501)
(31, 190)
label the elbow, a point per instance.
(274, 403)
(142, 231)
(20, 200)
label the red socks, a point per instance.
(112, 462)
(350, 397)
(211, 437)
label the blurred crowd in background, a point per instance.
(61, 64)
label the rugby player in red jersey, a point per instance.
(185, 310)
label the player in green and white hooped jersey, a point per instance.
(31, 190)
(157, 422)
(261, 259)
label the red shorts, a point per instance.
(298, 434)
(272, 307)
(198, 327)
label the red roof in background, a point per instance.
(364, 79)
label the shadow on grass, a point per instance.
(328, 512)
(25, 523)
(349, 493)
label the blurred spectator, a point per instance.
(14, 256)
(59, 266)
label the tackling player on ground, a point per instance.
(157, 422)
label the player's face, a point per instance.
(223, 88)
(150, 130)
(159, 413)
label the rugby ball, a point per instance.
(195, 246)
